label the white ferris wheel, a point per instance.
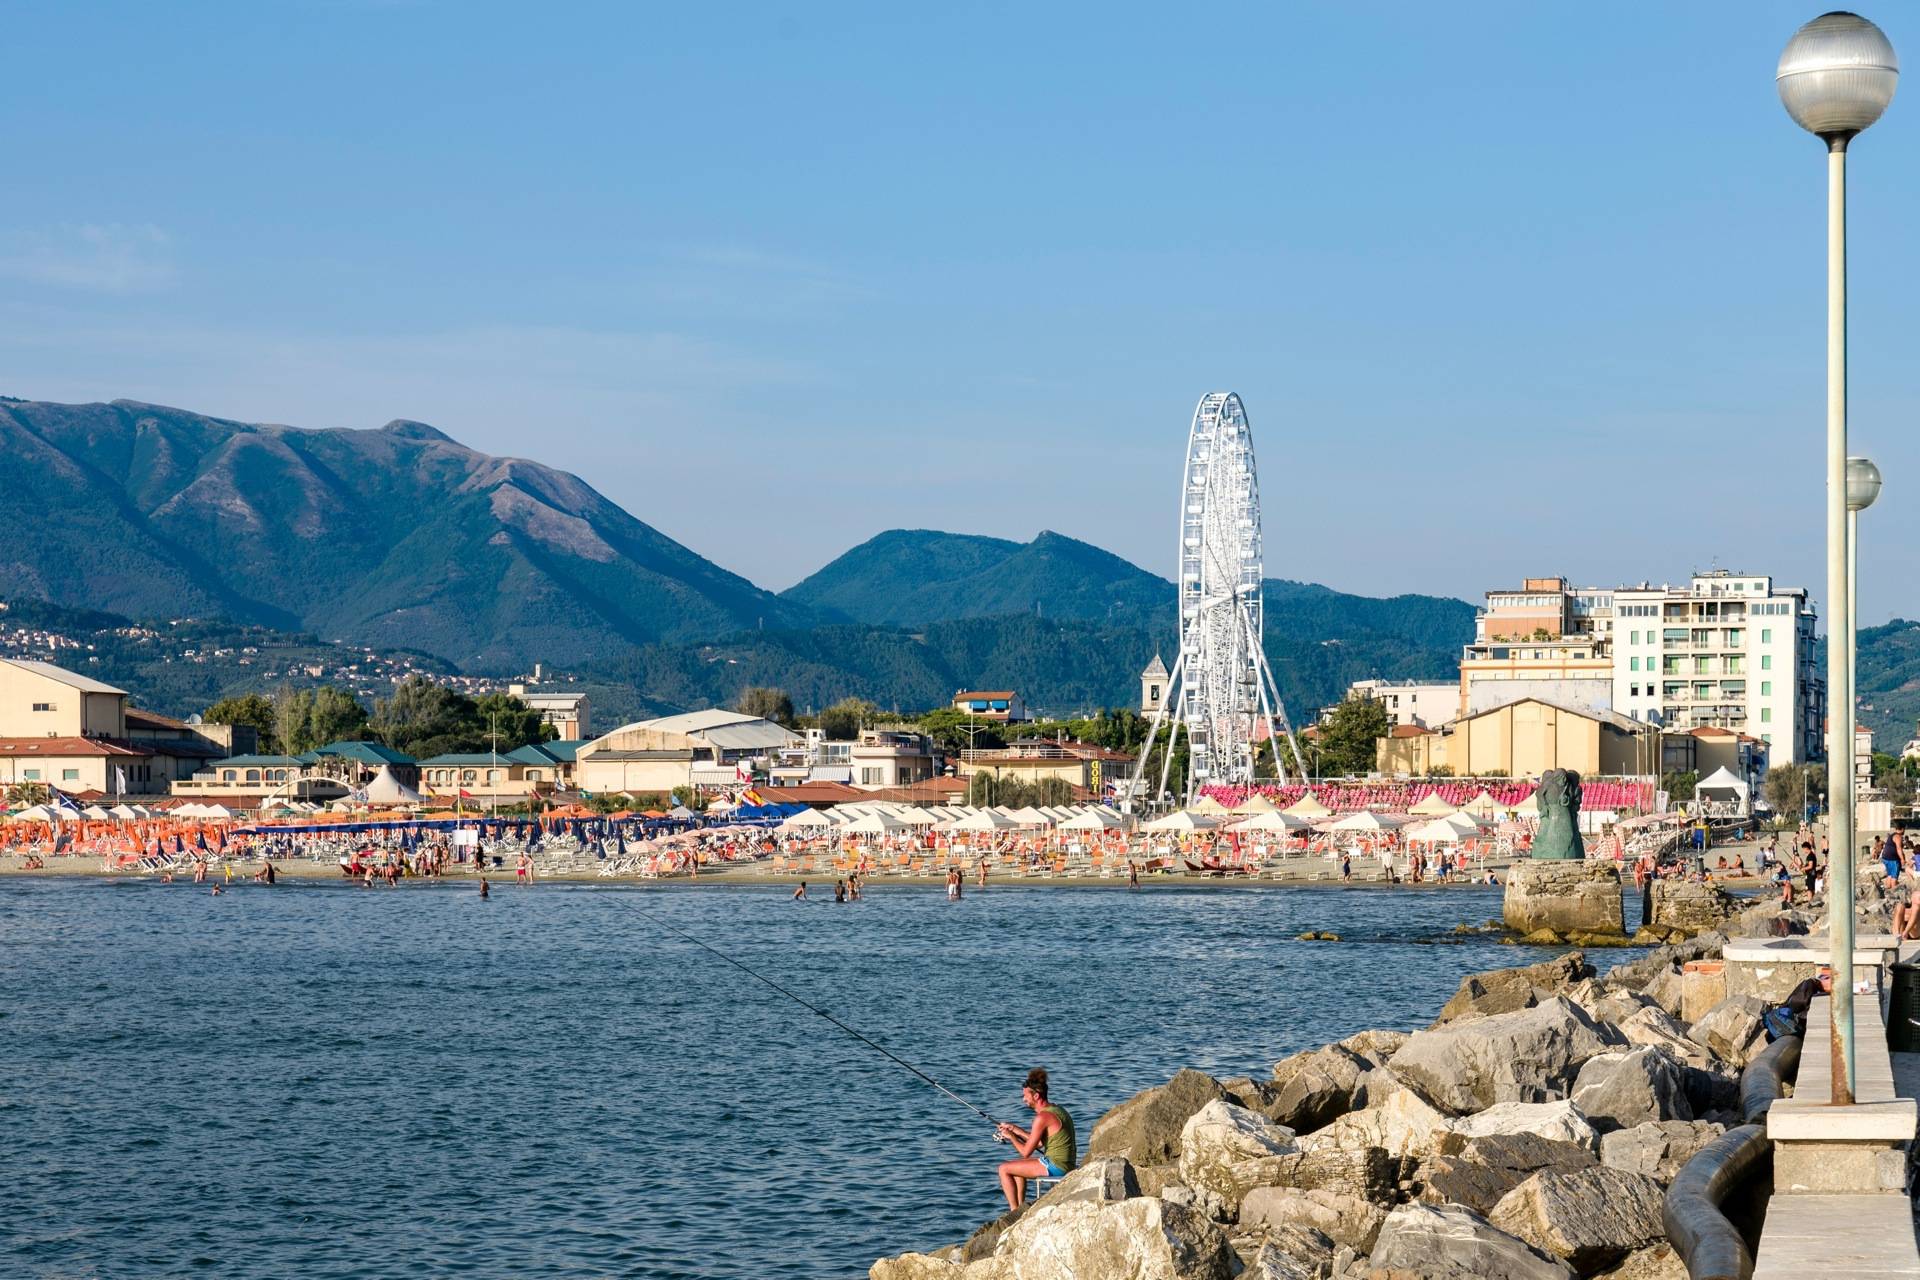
(1221, 689)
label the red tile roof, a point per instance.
(31, 747)
(1408, 731)
(815, 793)
(976, 693)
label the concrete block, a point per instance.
(1703, 984)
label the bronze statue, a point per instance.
(1558, 798)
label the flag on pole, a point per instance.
(119, 781)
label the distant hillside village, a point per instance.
(1632, 682)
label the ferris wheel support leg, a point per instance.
(1280, 712)
(1260, 682)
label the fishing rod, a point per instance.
(819, 1012)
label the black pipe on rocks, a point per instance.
(1711, 1246)
(1765, 1078)
(1693, 1213)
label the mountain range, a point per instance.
(318, 545)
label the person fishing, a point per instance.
(1047, 1150)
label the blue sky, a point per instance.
(1507, 288)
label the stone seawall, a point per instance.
(1529, 1133)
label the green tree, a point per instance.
(1679, 786)
(843, 721)
(425, 719)
(335, 716)
(502, 720)
(24, 795)
(956, 730)
(1348, 741)
(251, 710)
(766, 703)
(1792, 788)
(1894, 775)
(292, 714)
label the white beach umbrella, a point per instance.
(1436, 831)
(806, 820)
(874, 822)
(1367, 820)
(1308, 806)
(1432, 806)
(1271, 820)
(985, 820)
(1091, 820)
(1183, 820)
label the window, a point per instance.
(228, 775)
(870, 777)
(253, 775)
(1633, 664)
(1767, 738)
(1766, 688)
(1636, 637)
(1766, 635)
(31, 775)
(43, 706)
(1766, 715)
(1634, 691)
(1766, 662)
(466, 775)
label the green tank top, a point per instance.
(1059, 1145)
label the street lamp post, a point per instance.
(1836, 77)
(1863, 486)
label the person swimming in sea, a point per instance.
(1047, 1150)
(800, 894)
(484, 889)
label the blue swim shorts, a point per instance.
(1053, 1170)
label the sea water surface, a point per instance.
(324, 1081)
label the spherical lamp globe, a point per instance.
(1863, 483)
(1837, 75)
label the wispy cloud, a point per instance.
(93, 257)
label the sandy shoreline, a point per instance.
(1313, 875)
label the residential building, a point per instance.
(1153, 687)
(1082, 764)
(325, 773)
(1727, 650)
(1429, 704)
(1548, 640)
(566, 712)
(998, 704)
(894, 758)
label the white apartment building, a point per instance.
(1729, 650)
(1428, 704)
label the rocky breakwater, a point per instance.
(1529, 1133)
(1566, 900)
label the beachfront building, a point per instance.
(1547, 640)
(1427, 703)
(77, 734)
(326, 773)
(566, 712)
(994, 704)
(1727, 651)
(709, 750)
(1153, 687)
(506, 777)
(1523, 739)
(1080, 764)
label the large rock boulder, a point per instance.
(1146, 1127)
(1478, 1172)
(1620, 1090)
(1657, 1149)
(1143, 1238)
(1691, 907)
(1529, 1055)
(1592, 1218)
(1223, 1147)
(1289, 1253)
(1430, 1242)
(1312, 1088)
(1504, 990)
(1559, 1121)
(1375, 1045)
(1655, 1262)
(1344, 1219)
(1365, 1173)
(1565, 897)
(1732, 1029)
(916, 1266)
(1105, 1180)
(1667, 989)
(1653, 1025)
(1404, 1125)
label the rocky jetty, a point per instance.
(1568, 900)
(1529, 1133)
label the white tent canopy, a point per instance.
(1256, 803)
(983, 820)
(1308, 806)
(385, 789)
(1432, 806)
(1436, 831)
(874, 822)
(1366, 820)
(1724, 791)
(1031, 817)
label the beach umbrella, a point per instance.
(1432, 806)
(874, 822)
(1030, 817)
(1183, 820)
(1307, 806)
(1436, 831)
(1465, 823)
(1256, 803)
(1271, 820)
(983, 820)
(806, 820)
(1483, 805)
(1366, 820)
(1092, 820)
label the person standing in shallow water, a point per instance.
(1047, 1150)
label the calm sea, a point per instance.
(315, 1080)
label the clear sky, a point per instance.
(1508, 288)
